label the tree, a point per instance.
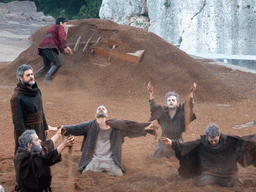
(89, 11)
(72, 9)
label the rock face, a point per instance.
(18, 20)
(196, 26)
(22, 10)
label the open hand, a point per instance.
(61, 130)
(69, 141)
(68, 50)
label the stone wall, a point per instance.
(22, 11)
(196, 26)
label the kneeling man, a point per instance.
(33, 160)
(102, 144)
(213, 158)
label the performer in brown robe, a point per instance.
(27, 106)
(33, 160)
(213, 158)
(173, 118)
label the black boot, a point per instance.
(50, 74)
(41, 72)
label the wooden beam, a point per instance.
(124, 56)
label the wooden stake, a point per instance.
(87, 43)
(77, 44)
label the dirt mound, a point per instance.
(165, 65)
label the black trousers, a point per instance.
(50, 56)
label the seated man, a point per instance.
(32, 161)
(102, 144)
(213, 158)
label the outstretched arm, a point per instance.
(79, 129)
(151, 90)
(61, 131)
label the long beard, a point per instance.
(36, 148)
(101, 115)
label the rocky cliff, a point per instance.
(18, 20)
(196, 26)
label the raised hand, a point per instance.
(193, 87)
(150, 87)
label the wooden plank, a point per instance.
(77, 44)
(138, 53)
(116, 54)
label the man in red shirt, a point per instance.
(53, 43)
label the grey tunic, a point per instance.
(90, 130)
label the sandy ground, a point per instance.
(231, 103)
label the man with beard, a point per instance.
(173, 119)
(53, 43)
(32, 161)
(102, 144)
(27, 106)
(213, 158)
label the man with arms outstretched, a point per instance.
(213, 158)
(102, 144)
(173, 118)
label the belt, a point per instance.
(34, 118)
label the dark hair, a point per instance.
(61, 19)
(21, 69)
(26, 138)
(172, 94)
(212, 130)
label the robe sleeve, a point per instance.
(247, 151)
(47, 145)
(129, 129)
(156, 110)
(50, 158)
(187, 107)
(79, 129)
(44, 119)
(188, 157)
(17, 116)
(61, 38)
